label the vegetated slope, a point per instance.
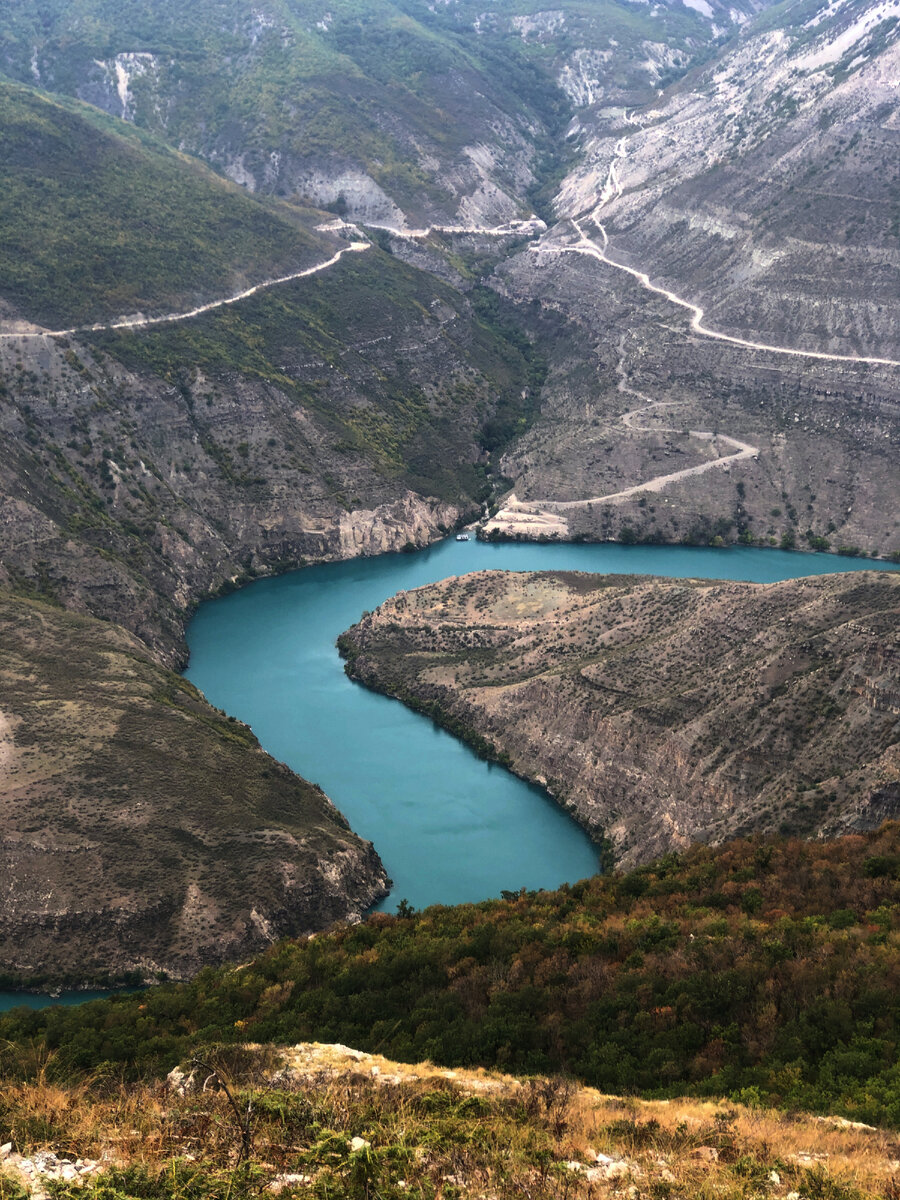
(144, 831)
(348, 413)
(381, 109)
(100, 221)
(330, 1120)
(661, 712)
(763, 187)
(765, 967)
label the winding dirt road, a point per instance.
(586, 245)
(143, 322)
(532, 511)
(512, 228)
(612, 188)
(545, 516)
(518, 228)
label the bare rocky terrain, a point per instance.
(144, 831)
(759, 192)
(633, 397)
(661, 712)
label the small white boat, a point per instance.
(462, 537)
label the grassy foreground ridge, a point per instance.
(331, 1122)
(764, 971)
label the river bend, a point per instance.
(449, 827)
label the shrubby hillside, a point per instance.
(766, 971)
(101, 220)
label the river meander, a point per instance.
(449, 827)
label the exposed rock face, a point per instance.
(408, 522)
(759, 189)
(130, 497)
(326, 183)
(661, 712)
(771, 173)
(141, 829)
(633, 398)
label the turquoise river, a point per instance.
(449, 827)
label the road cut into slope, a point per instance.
(141, 322)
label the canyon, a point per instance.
(658, 712)
(626, 277)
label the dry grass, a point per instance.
(434, 1134)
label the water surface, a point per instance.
(448, 826)
(10, 1000)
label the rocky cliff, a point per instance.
(660, 713)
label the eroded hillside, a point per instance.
(661, 713)
(143, 831)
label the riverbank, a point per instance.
(660, 713)
(440, 817)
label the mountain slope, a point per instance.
(350, 411)
(610, 53)
(377, 109)
(661, 713)
(762, 175)
(345, 412)
(341, 1122)
(716, 246)
(101, 221)
(763, 966)
(142, 830)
